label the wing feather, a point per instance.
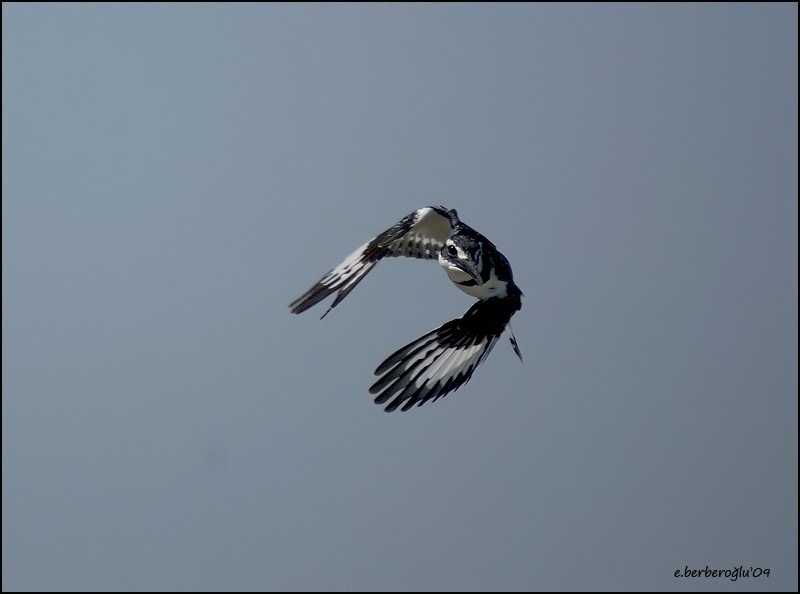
(420, 234)
(444, 359)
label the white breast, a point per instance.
(491, 288)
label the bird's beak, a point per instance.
(469, 269)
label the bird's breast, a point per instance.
(491, 288)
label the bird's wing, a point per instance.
(420, 234)
(443, 359)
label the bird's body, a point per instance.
(442, 360)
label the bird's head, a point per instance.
(462, 258)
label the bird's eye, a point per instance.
(451, 249)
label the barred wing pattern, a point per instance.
(443, 360)
(420, 234)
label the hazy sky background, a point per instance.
(174, 175)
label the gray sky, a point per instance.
(174, 175)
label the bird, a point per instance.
(443, 359)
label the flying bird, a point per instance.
(442, 360)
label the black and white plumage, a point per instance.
(443, 359)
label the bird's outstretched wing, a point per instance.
(420, 234)
(443, 359)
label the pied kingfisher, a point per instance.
(443, 359)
